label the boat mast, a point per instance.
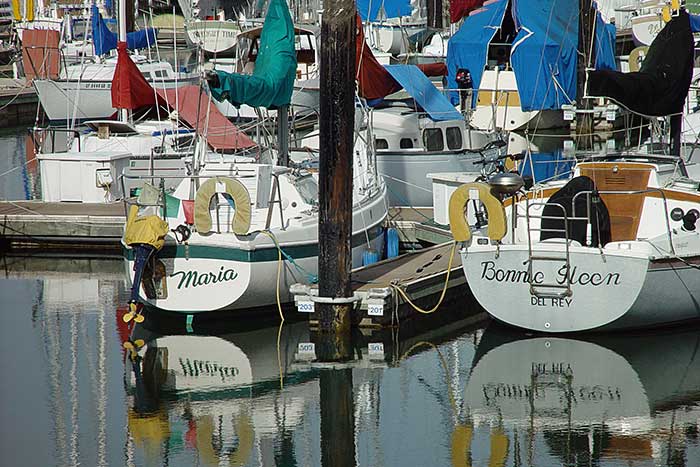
(123, 113)
(586, 58)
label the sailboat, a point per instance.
(615, 247)
(519, 61)
(83, 91)
(239, 234)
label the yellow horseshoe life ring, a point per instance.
(244, 430)
(240, 225)
(496, 212)
(636, 57)
(461, 443)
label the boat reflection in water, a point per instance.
(611, 400)
(217, 400)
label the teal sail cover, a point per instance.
(272, 81)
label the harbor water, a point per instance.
(466, 393)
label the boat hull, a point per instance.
(614, 290)
(86, 100)
(200, 278)
(214, 36)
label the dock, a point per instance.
(420, 275)
(18, 102)
(43, 224)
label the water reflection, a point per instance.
(227, 400)
(605, 400)
(447, 395)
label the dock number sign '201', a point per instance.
(196, 279)
(576, 276)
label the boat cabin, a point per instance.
(400, 128)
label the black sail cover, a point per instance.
(566, 200)
(661, 85)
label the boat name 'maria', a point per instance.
(195, 279)
(490, 272)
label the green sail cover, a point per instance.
(272, 81)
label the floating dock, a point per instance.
(380, 289)
(43, 224)
(18, 102)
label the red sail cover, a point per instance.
(461, 8)
(373, 81)
(221, 133)
(130, 90)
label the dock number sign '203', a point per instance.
(196, 279)
(576, 276)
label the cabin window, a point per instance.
(406, 143)
(432, 139)
(454, 137)
(381, 143)
(159, 74)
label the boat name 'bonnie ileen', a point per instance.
(195, 279)
(490, 272)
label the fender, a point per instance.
(494, 207)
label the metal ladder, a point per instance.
(547, 289)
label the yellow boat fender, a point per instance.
(240, 225)
(494, 207)
(461, 445)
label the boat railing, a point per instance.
(590, 193)
(275, 195)
(41, 136)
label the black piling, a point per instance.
(337, 111)
(435, 14)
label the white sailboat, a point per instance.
(563, 262)
(261, 218)
(244, 232)
(82, 91)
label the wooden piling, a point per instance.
(337, 112)
(337, 418)
(584, 120)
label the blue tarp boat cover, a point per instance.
(469, 46)
(424, 92)
(272, 81)
(369, 9)
(543, 53)
(105, 40)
